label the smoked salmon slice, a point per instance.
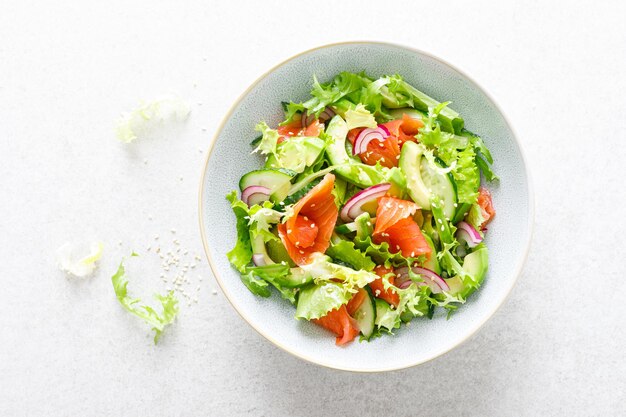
(310, 227)
(486, 206)
(339, 322)
(395, 225)
(378, 288)
(390, 210)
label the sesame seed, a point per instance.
(288, 231)
(398, 157)
(456, 205)
(377, 292)
(312, 225)
(298, 243)
(306, 218)
(156, 237)
(369, 223)
(214, 291)
(439, 220)
(148, 249)
(443, 228)
(401, 205)
(382, 145)
(173, 230)
(398, 247)
(149, 217)
(301, 252)
(312, 205)
(199, 150)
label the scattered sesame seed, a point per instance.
(173, 230)
(298, 243)
(306, 218)
(197, 258)
(398, 247)
(377, 292)
(456, 205)
(288, 231)
(180, 178)
(312, 225)
(214, 291)
(382, 145)
(145, 161)
(312, 205)
(369, 223)
(282, 203)
(204, 129)
(119, 242)
(156, 237)
(443, 228)
(439, 220)
(301, 252)
(199, 150)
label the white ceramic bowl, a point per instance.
(229, 157)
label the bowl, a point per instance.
(229, 158)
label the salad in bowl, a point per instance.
(368, 211)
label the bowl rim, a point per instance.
(518, 268)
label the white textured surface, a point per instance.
(66, 348)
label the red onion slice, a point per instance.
(354, 207)
(431, 278)
(466, 233)
(366, 136)
(255, 194)
(258, 259)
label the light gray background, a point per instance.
(557, 347)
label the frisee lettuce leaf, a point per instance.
(359, 116)
(268, 142)
(148, 115)
(345, 251)
(240, 255)
(84, 265)
(158, 321)
(322, 269)
(317, 300)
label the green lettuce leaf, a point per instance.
(345, 251)
(255, 284)
(475, 216)
(317, 300)
(158, 321)
(322, 269)
(149, 115)
(340, 87)
(261, 219)
(241, 254)
(297, 153)
(360, 117)
(291, 110)
(269, 141)
(272, 274)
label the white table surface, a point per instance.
(67, 69)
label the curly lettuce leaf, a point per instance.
(359, 116)
(261, 218)
(317, 300)
(344, 251)
(298, 153)
(84, 265)
(269, 141)
(255, 284)
(291, 111)
(158, 321)
(475, 216)
(273, 274)
(240, 255)
(322, 269)
(341, 86)
(148, 115)
(398, 93)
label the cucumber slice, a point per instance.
(277, 181)
(441, 185)
(412, 113)
(258, 246)
(276, 250)
(296, 278)
(423, 180)
(432, 263)
(344, 229)
(409, 163)
(365, 316)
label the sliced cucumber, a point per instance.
(365, 316)
(278, 181)
(276, 250)
(385, 317)
(296, 278)
(423, 180)
(432, 263)
(412, 113)
(344, 229)
(364, 227)
(410, 158)
(440, 185)
(258, 247)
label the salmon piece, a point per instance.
(387, 152)
(406, 237)
(339, 322)
(312, 224)
(390, 210)
(486, 206)
(404, 129)
(314, 129)
(290, 129)
(356, 301)
(378, 288)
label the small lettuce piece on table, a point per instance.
(83, 266)
(143, 118)
(158, 321)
